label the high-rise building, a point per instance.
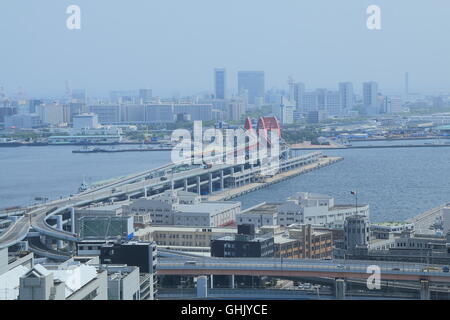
(86, 121)
(197, 111)
(346, 96)
(52, 114)
(75, 108)
(310, 102)
(438, 102)
(333, 104)
(145, 95)
(219, 83)
(297, 92)
(322, 100)
(285, 111)
(33, 104)
(236, 110)
(370, 98)
(107, 113)
(396, 105)
(253, 82)
(23, 121)
(79, 95)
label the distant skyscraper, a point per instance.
(346, 96)
(310, 102)
(370, 98)
(296, 93)
(285, 111)
(145, 95)
(79, 95)
(219, 83)
(33, 104)
(253, 82)
(236, 110)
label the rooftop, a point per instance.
(347, 206)
(263, 208)
(205, 207)
(183, 229)
(246, 238)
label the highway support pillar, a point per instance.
(202, 287)
(145, 192)
(340, 289)
(59, 226)
(222, 180)
(424, 290)
(198, 186)
(211, 281)
(186, 185)
(232, 281)
(72, 220)
(210, 183)
(231, 174)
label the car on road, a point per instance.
(445, 269)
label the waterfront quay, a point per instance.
(424, 222)
(265, 182)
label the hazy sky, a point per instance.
(174, 45)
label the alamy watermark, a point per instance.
(374, 280)
(227, 146)
(374, 19)
(73, 22)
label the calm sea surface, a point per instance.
(397, 183)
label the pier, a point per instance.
(396, 146)
(288, 174)
(425, 220)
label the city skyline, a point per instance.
(230, 88)
(179, 56)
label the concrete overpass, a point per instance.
(339, 270)
(349, 269)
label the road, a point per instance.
(350, 269)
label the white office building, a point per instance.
(107, 114)
(183, 208)
(51, 114)
(86, 121)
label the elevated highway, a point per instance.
(337, 269)
(16, 232)
(177, 176)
